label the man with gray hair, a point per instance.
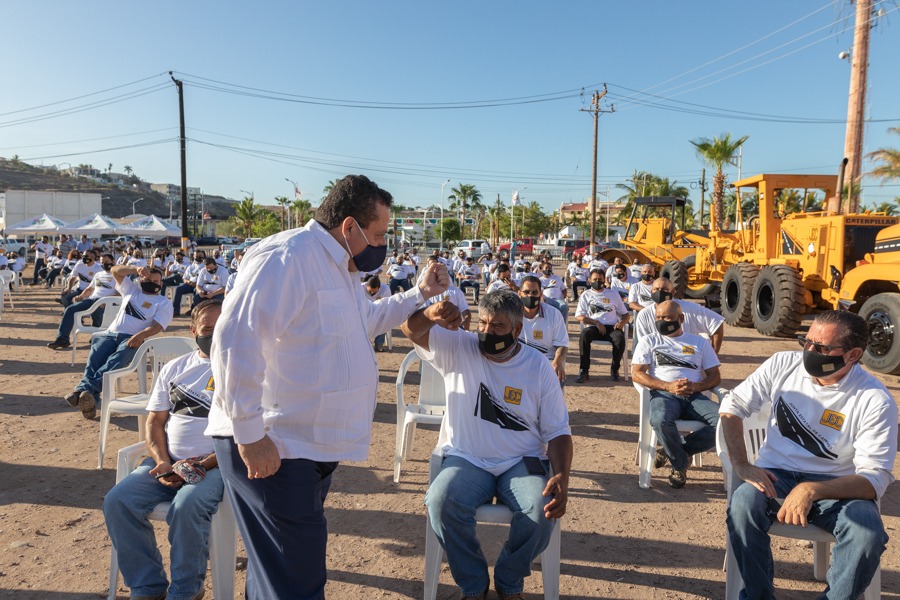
(827, 457)
(505, 418)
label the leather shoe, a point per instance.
(583, 378)
(518, 596)
(480, 596)
(614, 375)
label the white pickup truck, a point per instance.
(14, 245)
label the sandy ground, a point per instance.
(618, 541)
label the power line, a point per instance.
(100, 150)
(107, 137)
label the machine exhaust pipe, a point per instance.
(840, 184)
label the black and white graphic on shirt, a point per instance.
(599, 308)
(103, 284)
(645, 297)
(84, 278)
(188, 403)
(542, 349)
(791, 426)
(493, 411)
(131, 311)
(663, 358)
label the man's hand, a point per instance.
(436, 280)
(560, 367)
(261, 457)
(679, 387)
(445, 314)
(136, 340)
(143, 272)
(796, 506)
(758, 477)
(557, 487)
(171, 481)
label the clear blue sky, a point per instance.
(711, 53)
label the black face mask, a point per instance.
(667, 327)
(520, 270)
(621, 276)
(204, 342)
(199, 259)
(547, 272)
(660, 296)
(821, 365)
(646, 277)
(492, 343)
(88, 260)
(210, 272)
(597, 285)
(150, 287)
(531, 301)
(107, 267)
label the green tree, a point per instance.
(247, 213)
(302, 211)
(889, 159)
(449, 230)
(282, 201)
(328, 187)
(463, 196)
(267, 224)
(718, 152)
(128, 170)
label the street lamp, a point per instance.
(133, 204)
(296, 197)
(442, 213)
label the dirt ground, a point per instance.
(618, 541)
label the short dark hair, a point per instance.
(203, 306)
(853, 331)
(622, 268)
(109, 256)
(598, 271)
(210, 261)
(530, 279)
(503, 267)
(373, 282)
(502, 302)
(353, 196)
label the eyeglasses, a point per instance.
(817, 348)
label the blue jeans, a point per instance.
(68, 320)
(126, 507)
(282, 522)
(108, 351)
(468, 283)
(452, 498)
(67, 298)
(379, 340)
(396, 284)
(665, 408)
(561, 305)
(856, 524)
(180, 291)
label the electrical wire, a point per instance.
(107, 137)
(100, 150)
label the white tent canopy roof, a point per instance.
(151, 226)
(44, 224)
(91, 226)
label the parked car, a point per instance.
(225, 240)
(207, 241)
(171, 241)
(14, 245)
(228, 250)
(523, 246)
(470, 247)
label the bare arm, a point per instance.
(158, 447)
(559, 451)
(137, 339)
(717, 337)
(559, 362)
(759, 478)
(635, 307)
(419, 324)
(120, 272)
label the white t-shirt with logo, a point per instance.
(140, 309)
(497, 413)
(85, 274)
(640, 293)
(553, 286)
(104, 285)
(454, 295)
(577, 272)
(42, 250)
(842, 429)
(545, 332)
(212, 282)
(605, 306)
(469, 272)
(185, 388)
(697, 319)
(672, 358)
(497, 284)
(621, 287)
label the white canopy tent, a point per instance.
(42, 225)
(151, 226)
(92, 226)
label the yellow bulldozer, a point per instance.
(778, 265)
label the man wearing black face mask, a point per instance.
(543, 328)
(144, 313)
(189, 278)
(639, 294)
(211, 281)
(677, 367)
(604, 317)
(829, 452)
(697, 319)
(296, 379)
(102, 285)
(82, 274)
(505, 417)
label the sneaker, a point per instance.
(379, 348)
(583, 378)
(59, 344)
(72, 399)
(87, 404)
(661, 459)
(677, 479)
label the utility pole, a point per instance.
(702, 195)
(180, 87)
(595, 109)
(856, 103)
(496, 238)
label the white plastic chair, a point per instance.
(430, 408)
(6, 277)
(494, 514)
(647, 436)
(222, 533)
(156, 352)
(754, 436)
(389, 340)
(112, 304)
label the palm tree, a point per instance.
(718, 152)
(303, 211)
(328, 187)
(128, 170)
(890, 161)
(247, 214)
(462, 196)
(282, 201)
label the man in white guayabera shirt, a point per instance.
(296, 380)
(828, 455)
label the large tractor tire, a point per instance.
(737, 293)
(697, 292)
(778, 301)
(882, 313)
(676, 272)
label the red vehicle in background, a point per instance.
(523, 246)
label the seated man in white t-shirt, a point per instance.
(639, 294)
(543, 329)
(826, 459)
(211, 280)
(503, 279)
(144, 313)
(181, 469)
(697, 319)
(505, 417)
(577, 277)
(374, 292)
(555, 291)
(469, 276)
(619, 281)
(102, 285)
(677, 367)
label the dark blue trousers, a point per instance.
(282, 522)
